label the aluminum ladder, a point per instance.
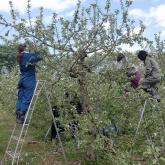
(15, 144)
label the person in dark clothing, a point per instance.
(152, 75)
(74, 123)
(60, 128)
(121, 61)
(74, 100)
(120, 57)
(27, 80)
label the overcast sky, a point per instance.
(152, 12)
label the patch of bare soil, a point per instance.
(51, 160)
(139, 160)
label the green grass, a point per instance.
(6, 125)
(41, 153)
(35, 154)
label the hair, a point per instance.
(120, 57)
(131, 71)
(20, 49)
(142, 55)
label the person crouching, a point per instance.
(152, 78)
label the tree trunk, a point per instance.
(83, 85)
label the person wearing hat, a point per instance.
(152, 78)
(27, 80)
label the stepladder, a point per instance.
(153, 108)
(15, 144)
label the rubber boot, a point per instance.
(23, 114)
(154, 92)
(19, 118)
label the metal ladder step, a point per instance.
(36, 94)
(15, 144)
(26, 124)
(11, 154)
(17, 138)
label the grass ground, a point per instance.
(38, 152)
(6, 124)
(34, 153)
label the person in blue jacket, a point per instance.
(27, 80)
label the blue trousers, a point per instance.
(26, 87)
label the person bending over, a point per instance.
(152, 78)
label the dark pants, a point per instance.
(150, 85)
(56, 114)
(74, 126)
(54, 131)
